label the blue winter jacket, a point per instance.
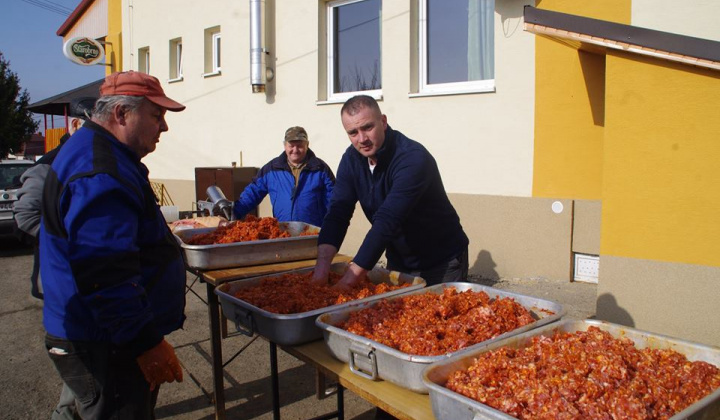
(307, 203)
(111, 270)
(404, 199)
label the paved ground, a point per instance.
(31, 386)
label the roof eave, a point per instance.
(586, 31)
(74, 17)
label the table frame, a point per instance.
(399, 402)
(214, 278)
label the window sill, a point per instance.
(175, 80)
(213, 74)
(450, 92)
(377, 95)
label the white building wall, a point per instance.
(483, 142)
(94, 23)
(697, 18)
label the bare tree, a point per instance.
(358, 80)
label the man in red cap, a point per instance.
(113, 277)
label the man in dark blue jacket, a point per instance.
(299, 183)
(400, 190)
(113, 276)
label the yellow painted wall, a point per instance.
(569, 111)
(661, 190)
(113, 46)
(611, 10)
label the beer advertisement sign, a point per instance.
(84, 51)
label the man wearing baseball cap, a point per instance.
(299, 183)
(113, 277)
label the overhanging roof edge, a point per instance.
(649, 38)
(74, 17)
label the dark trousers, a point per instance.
(106, 382)
(453, 270)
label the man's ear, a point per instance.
(76, 123)
(119, 114)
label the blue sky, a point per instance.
(28, 41)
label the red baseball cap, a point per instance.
(133, 83)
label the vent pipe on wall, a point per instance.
(258, 76)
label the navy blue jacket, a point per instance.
(405, 201)
(307, 203)
(111, 270)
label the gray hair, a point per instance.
(105, 105)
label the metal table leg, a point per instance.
(275, 382)
(340, 402)
(216, 348)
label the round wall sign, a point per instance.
(84, 51)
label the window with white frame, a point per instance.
(216, 38)
(176, 60)
(144, 60)
(457, 46)
(212, 51)
(353, 49)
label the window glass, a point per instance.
(216, 51)
(457, 44)
(179, 59)
(144, 60)
(176, 59)
(355, 63)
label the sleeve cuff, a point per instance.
(147, 338)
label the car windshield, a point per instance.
(10, 175)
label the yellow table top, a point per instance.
(399, 402)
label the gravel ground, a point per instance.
(31, 386)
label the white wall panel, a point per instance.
(483, 143)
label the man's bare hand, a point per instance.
(352, 276)
(318, 278)
(321, 274)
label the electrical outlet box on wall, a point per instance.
(586, 268)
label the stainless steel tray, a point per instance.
(372, 360)
(294, 329)
(242, 254)
(447, 404)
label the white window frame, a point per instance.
(212, 58)
(343, 96)
(144, 60)
(177, 45)
(425, 88)
(216, 51)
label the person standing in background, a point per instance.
(27, 207)
(299, 183)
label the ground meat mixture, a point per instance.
(250, 229)
(432, 324)
(293, 293)
(585, 375)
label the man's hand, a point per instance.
(159, 365)
(326, 253)
(352, 276)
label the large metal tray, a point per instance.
(447, 404)
(373, 360)
(242, 254)
(295, 329)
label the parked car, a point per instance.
(10, 172)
